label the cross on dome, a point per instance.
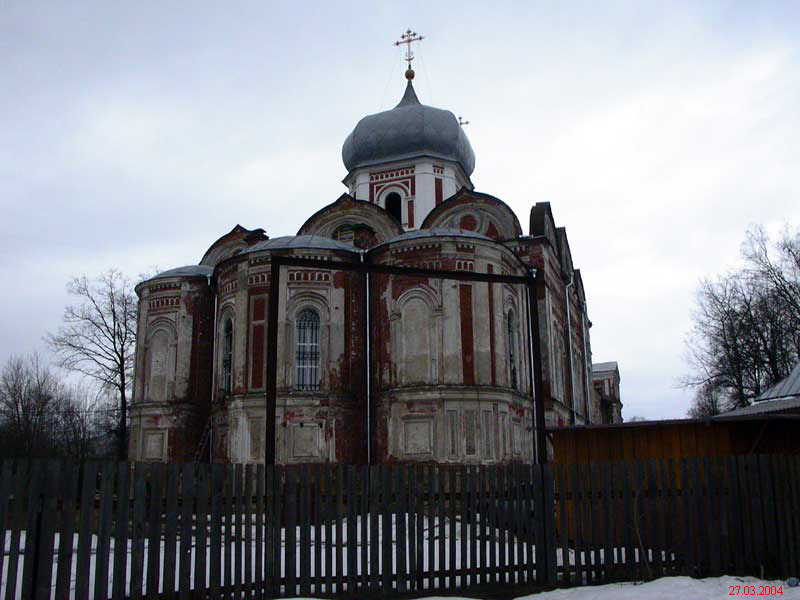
(407, 38)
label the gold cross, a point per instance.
(408, 37)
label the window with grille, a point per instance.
(227, 356)
(307, 345)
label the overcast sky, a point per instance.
(134, 134)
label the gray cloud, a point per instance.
(135, 135)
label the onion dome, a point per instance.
(409, 130)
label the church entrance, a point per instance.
(394, 206)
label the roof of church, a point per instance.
(409, 130)
(187, 271)
(605, 366)
(437, 232)
(301, 241)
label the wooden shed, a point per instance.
(682, 438)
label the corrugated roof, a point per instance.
(765, 406)
(784, 395)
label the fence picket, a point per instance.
(317, 496)
(247, 548)
(101, 574)
(737, 545)
(607, 519)
(305, 533)
(84, 536)
(291, 530)
(365, 527)
(171, 529)
(329, 516)
(792, 475)
(260, 492)
(653, 526)
(278, 517)
(352, 527)
(769, 516)
(363, 472)
(68, 490)
(746, 494)
(699, 518)
(32, 510)
(138, 530)
(121, 532)
(451, 522)
(154, 531)
(186, 515)
(201, 526)
(711, 534)
(667, 520)
(6, 485)
(46, 532)
(721, 506)
(401, 504)
(386, 529)
(215, 532)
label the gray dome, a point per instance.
(187, 271)
(409, 130)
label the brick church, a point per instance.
(432, 370)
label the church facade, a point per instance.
(405, 369)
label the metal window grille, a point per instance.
(307, 345)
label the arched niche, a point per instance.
(416, 332)
(160, 360)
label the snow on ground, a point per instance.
(668, 588)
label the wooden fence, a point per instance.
(105, 530)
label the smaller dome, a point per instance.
(187, 271)
(300, 241)
(407, 131)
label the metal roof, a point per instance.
(408, 130)
(421, 234)
(300, 241)
(784, 395)
(187, 271)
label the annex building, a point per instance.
(433, 370)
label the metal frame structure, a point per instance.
(533, 281)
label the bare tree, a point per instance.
(706, 403)
(98, 338)
(31, 401)
(746, 333)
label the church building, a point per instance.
(432, 370)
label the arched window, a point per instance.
(511, 341)
(344, 233)
(227, 355)
(307, 350)
(394, 205)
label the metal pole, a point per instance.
(368, 361)
(535, 286)
(272, 361)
